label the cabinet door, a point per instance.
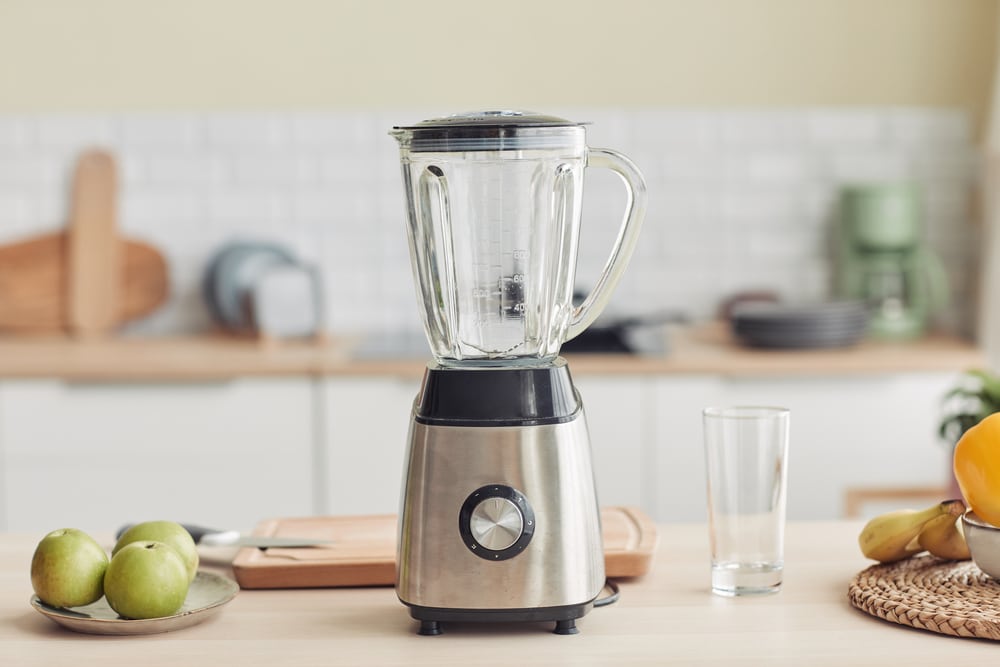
(878, 431)
(676, 456)
(614, 409)
(366, 426)
(95, 456)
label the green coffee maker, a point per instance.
(883, 259)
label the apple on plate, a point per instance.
(146, 579)
(168, 532)
(67, 568)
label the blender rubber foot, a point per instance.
(567, 627)
(429, 628)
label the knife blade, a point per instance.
(212, 537)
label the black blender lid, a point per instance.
(490, 130)
(498, 118)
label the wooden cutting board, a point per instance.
(34, 283)
(86, 280)
(363, 551)
(94, 257)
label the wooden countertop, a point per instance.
(667, 617)
(706, 349)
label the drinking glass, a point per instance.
(746, 454)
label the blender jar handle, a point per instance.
(628, 235)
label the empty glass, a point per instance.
(746, 454)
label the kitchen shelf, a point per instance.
(704, 349)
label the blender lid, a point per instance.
(491, 130)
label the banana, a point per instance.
(943, 535)
(895, 535)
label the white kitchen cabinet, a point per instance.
(365, 422)
(614, 406)
(97, 455)
(869, 430)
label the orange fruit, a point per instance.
(977, 468)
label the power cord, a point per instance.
(608, 599)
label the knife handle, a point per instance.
(197, 532)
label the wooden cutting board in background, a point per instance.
(34, 278)
(87, 280)
(94, 257)
(363, 551)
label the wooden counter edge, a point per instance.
(705, 350)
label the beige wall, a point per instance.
(455, 54)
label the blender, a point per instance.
(499, 517)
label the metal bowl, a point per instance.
(984, 543)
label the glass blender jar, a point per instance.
(494, 204)
(499, 519)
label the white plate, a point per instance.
(207, 595)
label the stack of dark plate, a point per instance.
(780, 325)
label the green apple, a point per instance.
(67, 568)
(146, 580)
(167, 532)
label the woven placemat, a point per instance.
(950, 597)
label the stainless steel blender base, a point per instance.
(453, 565)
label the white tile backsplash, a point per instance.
(264, 131)
(162, 131)
(69, 132)
(738, 199)
(837, 128)
(16, 132)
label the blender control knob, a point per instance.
(496, 523)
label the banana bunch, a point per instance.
(897, 535)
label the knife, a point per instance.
(211, 537)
